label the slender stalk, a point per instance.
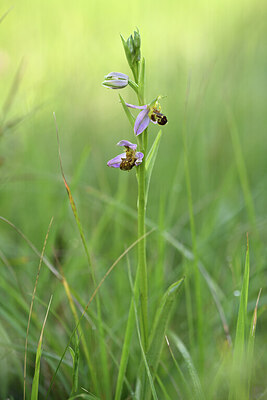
(142, 264)
(189, 309)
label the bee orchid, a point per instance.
(150, 113)
(127, 160)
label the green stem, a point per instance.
(140, 285)
(188, 302)
(142, 266)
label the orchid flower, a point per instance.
(150, 113)
(116, 80)
(128, 159)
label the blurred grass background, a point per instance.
(64, 49)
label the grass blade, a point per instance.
(185, 385)
(237, 386)
(35, 383)
(251, 340)
(147, 367)
(75, 354)
(163, 389)
(199, 395)
(241, 167)
(189, 307)
(160, 324)
(80, 330)
(125, 352)
(159, 328)
(31, 308)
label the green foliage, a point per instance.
(84, 396)
(150, 161)
(159, 328)
(160, 324)
(75, 354)
(199, 228)
(243, 351)
(35, 382)
(250, 346)
(195, 380)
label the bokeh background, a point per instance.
(210, 55)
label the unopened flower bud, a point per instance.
(137, 44)
(115, 80)
(132, 48)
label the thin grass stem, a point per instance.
(31, 308)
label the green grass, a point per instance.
(206, 192)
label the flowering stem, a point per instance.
(141, 277)
(142, 265)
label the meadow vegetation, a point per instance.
(206, 208)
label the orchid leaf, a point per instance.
(150, 161)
